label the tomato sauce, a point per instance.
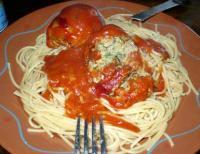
(150, 45)
(47, 95)
(79, 28)
(112, 80)
(68, 69)
(140, 89)
(159, 85)
(107, 31)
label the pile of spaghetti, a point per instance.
(129, 75)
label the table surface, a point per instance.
(188, 14)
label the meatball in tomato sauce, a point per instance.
(73, 26)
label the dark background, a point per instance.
(188, 14)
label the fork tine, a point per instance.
(77, 138)
(102, 136)
(86, 148)
(94, 145)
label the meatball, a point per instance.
(73, 26)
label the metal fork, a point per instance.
(77, 147)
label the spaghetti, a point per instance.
(49, 114)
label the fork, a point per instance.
(144, 15)
(77, 148)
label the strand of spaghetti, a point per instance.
(169, 139)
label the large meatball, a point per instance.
(73, 26)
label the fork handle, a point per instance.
(142, 16)
(181, 2)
